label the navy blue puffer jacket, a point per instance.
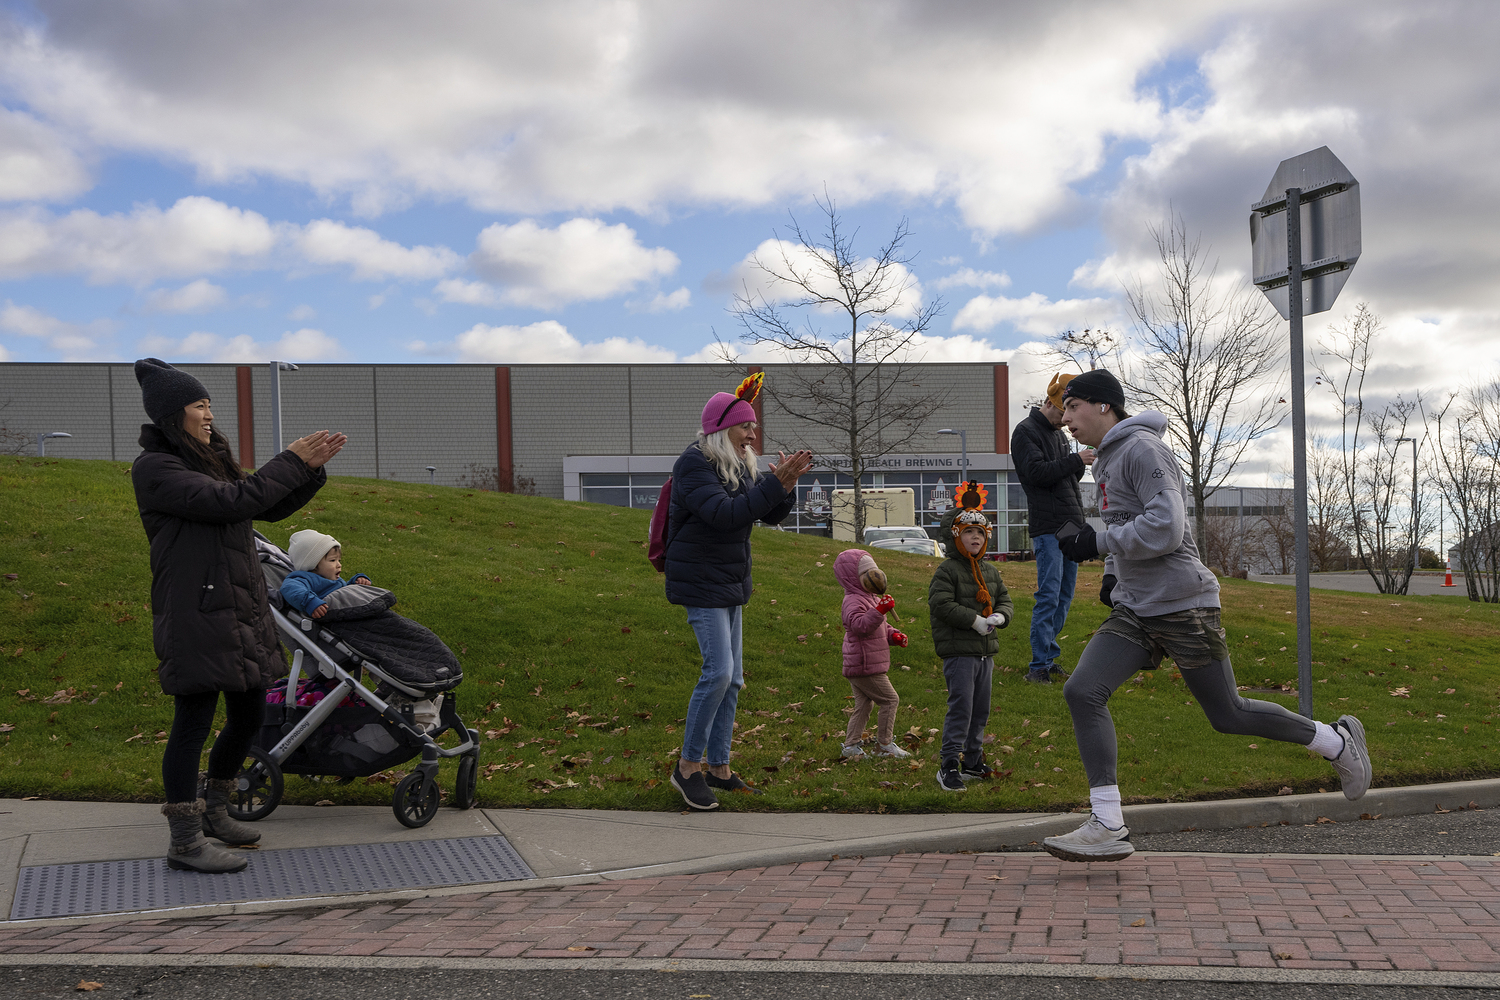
(708, 546)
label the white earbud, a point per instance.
(1104, 408)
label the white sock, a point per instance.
(1326, 741)
(1105, 801)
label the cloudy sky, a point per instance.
(506, 182)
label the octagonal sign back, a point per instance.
(1330, 230)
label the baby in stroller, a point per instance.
(318, 560)
(369, 689)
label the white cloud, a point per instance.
(546, 342)
(661, 302)
(36, 163)
(71, 341)
(1036, 314)
(969, 278)
(295, 345)
(194, 297)
(373, 258)
(752, 278)
(302, 313)
(197, 235)
(469, 293)
(570, 106)
(580, 260)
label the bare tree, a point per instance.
(1466, 473)
(1206, 357)
(1328, 518)
(854, 377)
(12, 441)
(1081, 350)
(1385, 520)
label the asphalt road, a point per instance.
(1421, 584)
(35, 982)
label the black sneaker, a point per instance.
(1039, 676)
(949, 778)
(733, 783)
(975, 769)
(694, 789)
(1057, 674)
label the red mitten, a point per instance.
(886, 604)
(897, 638)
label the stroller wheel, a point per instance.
(416, 800)
(466, 789)
(258, 787)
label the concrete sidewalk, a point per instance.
(564, 846)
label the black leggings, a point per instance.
(191, 724)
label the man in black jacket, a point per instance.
(1049, 471)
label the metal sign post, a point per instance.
(1318, 188)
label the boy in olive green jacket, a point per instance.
(967, 602)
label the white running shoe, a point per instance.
(891, 750)
(1093, 841)
(852, 752)
(1353, 764)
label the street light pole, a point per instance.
(963, 447)
(41, 441)
(1414, 561)
(277, 367)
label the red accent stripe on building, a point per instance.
(505, 462)
(1002, 409)
(245, 396)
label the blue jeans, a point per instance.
(1055, 576)
(710, 715)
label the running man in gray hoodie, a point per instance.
(1165, 603)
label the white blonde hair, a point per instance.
(731, 467)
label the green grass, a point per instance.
(579, 670)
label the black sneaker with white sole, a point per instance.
(949, 778)
(694, 789)
(976, 768)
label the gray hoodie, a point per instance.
(1141, 493)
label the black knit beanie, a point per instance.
(1096, 386)
(164, 389)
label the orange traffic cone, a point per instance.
(1448, 577)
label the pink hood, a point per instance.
(866, 633)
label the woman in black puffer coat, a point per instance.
(211, 623)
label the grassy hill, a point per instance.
(579, 671)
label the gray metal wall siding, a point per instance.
(100, 405)
(970, 390)
(559, 410)
(402, 418)
(667, 405)
(319, 398)
(442, 415)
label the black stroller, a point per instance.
(324, 722)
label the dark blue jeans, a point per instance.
(1056, 575)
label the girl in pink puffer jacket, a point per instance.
(867, 656)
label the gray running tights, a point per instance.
(1110, 660)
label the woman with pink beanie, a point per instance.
(717, 496)
(868, 639)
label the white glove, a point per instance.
(998, 619)
(982, 625)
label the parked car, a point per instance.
(902, 539)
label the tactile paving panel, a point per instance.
(126, 886)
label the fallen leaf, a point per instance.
(1043, 734)
(624, 629)
(1138, 923)
(88, 986)
(323, 802)
(1285, 790)
(579, 947)
(997, 878)
(6, 727)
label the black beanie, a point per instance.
(1096, 386)
(164, 389)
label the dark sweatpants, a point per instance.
(968, 679)
(1110, 660)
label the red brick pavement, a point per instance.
(1308, 913)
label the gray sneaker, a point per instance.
(1093, 841)
(1353, 765)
